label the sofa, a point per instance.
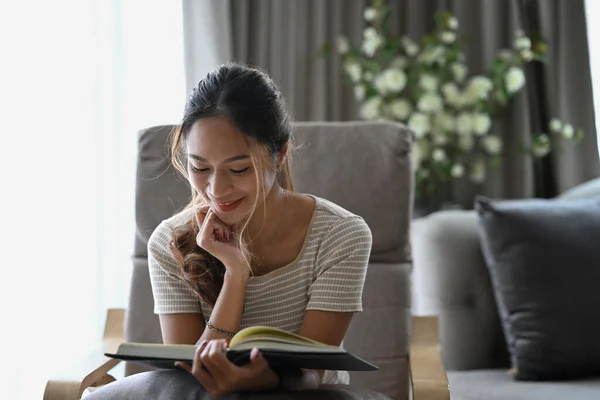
(452, 282)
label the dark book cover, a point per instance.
(277, 360)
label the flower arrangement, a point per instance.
(426, 85)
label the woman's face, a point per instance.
(221, 171)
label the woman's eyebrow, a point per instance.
(230, 159)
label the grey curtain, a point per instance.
(283, 37)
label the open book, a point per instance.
(280, 348)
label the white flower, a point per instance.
(452, 23)
(478, 88)
(466, 142)
(400, 109)
(541, 147)
(440, 138)
(527, 55)
(481, 123)
(391, 80)
(438, 155)
(428, 82)
(359, 92)
(514, 79)
(457, 171)
(522, 43)
(464, 124)
(371, 41)
(459, 71)
(371, 109)
(568, 132)
(399, 62)
(448, 37)
(342, 45)
(555, 125)
(380, 84)
(419, 124)
(370, 14)
(443, 122)
(451, 94)
(478, 171)
(368, 76)
(432, 55)
(492, 144)
(430, 102)
(410, 47)
(353, 70)
(395, 79)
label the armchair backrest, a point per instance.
(364, 167)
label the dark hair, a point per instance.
(250, 100)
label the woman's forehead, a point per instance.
(216, 138)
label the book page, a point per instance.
(267, 333)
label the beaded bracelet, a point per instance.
(214, 328)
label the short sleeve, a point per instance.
(171, 294)
(342, 262)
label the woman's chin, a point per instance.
(232, 218)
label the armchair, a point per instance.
(365, 168)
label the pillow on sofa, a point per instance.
(544, 262)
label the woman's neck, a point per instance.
(267, 218)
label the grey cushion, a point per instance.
(544, 262)
(180, 385)
(498, 385)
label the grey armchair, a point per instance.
(365, 168)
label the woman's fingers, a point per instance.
(201, 214)
(212, 228)
(217, 364)
(184, 366)
(199, 371)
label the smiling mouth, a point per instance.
(228, 205)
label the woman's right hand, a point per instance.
(220, 240)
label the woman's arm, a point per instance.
(189, 328)
(227, 312)
(336, 294)
(326, 327)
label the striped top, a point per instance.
(328, 274)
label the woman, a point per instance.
(248, 250)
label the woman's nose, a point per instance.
(220, 186)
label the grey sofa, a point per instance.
(450, 280)
(365, 168)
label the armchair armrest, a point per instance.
(428, 376)
(91, 370)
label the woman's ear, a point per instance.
(282, 155)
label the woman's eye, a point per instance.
(199, 170)
(239, 171)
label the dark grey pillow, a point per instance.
(544, 262)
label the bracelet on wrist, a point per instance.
(210, 326)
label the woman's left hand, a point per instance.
(219, 376)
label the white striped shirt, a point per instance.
(328, 274)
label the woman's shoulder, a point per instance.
(332, 218)
(163, 234)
